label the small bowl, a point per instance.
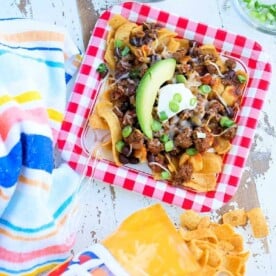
(253, 18)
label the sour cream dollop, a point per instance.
(173, 98)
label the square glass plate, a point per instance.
(76, 139)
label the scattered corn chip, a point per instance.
(217, 247)
(190, 219)
(235, 218)
(258, 223)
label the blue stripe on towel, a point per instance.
(33, 151)
(20, 271)
(46, 62)
(33, 48)
(43, 227)
(10, 166)
(37, 151)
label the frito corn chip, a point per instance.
(236, 241)
(202, 234)
(124, 31)
(258, 223)
(211, 163)
(141, 154)
(235, 218)
(229, 95)
(217, 247)
(97, 122)
(164, 36)
(222, 145)
(217, 86)
(202, 182)
(222, 231)
(109, 54)
(190, 219)
(214, 258)
(105, 111)
(197, 162)
(173, 45)
(183, 158)
(235, 263)
(209, 49)
(116, 21)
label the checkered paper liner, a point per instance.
(85, 94)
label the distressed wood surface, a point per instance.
(104, 206)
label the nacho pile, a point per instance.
(187, 148)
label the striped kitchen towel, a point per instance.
(37, 199)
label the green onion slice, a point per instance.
(174, 106)
(169, 146)
(118, 43)
(102, 68)
(180, 79)
(191, 151)
(226, 122)
(165, 175)
(119, 145)
(177, 97)
(126, 131)
(163, 116)
(156, 126)
(205, 89)
(193, 101)
(125, 51)
(241, 78)
(164, 138)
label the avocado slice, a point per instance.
(155, 76)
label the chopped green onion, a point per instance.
(118, 43)
(264, 13)
(163, 116)
(164, 138)
(241, 78)
(191, 151)
(174, 106)
(119, 145)
(177, 97)
(226, 122)
(126, 131)
(156, 126)
(193, 101)
(270, 16)
(125, 51)
(169, 146)
(205, 89)
(165, 175)
(180, 79)
(102, 68)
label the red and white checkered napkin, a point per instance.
(85, 92)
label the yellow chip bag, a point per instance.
(147, 243)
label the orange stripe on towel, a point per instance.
(35, 183)
(3, 196)
(31, 36)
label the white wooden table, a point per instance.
(103, 206)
